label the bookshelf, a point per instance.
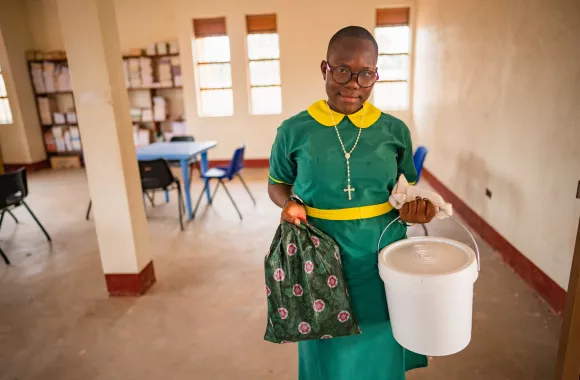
(153, 81)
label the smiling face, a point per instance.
(357, 55)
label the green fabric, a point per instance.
(307, 297)
(309, 156)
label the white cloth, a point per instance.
(403, 193)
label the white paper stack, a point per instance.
(59, 118)
(75, 137)
(150, 49)
(38, 78)
(173, 47)
(146, 71)
(45, 108)
(63, 81)
(179, 128)
(59, 141)
(134, 73)
(176, 71)
(146, 115)
(67, 140)
(49, 76)
(162, 48)
(159, 108)
(71, 117)
(164, 72)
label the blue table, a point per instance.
(182, 152)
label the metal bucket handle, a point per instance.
(457, 221)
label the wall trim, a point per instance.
(130, 284)
(548, 289)
(253, 163)
(30, 167)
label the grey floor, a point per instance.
(204, 319)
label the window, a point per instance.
(214, 70)
(264, 57)
(391, 91)
(5, 113)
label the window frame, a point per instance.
(10, 119)
(267, 26)
(384, 21)
(215, 27)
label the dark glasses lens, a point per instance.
(343, 75)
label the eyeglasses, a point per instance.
(343, 75)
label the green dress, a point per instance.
(307, 154)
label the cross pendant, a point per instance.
(349, 190)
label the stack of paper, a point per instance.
(173, 47)
(164, 69)
(49, 142)
(45, 109)
(38, 78)
(75, 138)
(159, 108)
(150, 49)
(71, 117)
(146, 71)
(63, 81)
(176, 71)
(59, 118)
(49, 76)
(134, 73)
(162, 48)
(59, 140)
(146, 115)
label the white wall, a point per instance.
(497, 89)
(21, 142)
(303, 40)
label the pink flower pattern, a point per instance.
(285, 342)
(291, 249)
(326, 336)
(268, 291)
(332, 281)
(279, 275)
(283, 313)
(297, 290)
(318, 306)
(316, 241)
(304, 328)
(308, 267)
(343, 316)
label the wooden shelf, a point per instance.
(151, 56)
(53, 93)
(153, 88)
(70, 153)
(56, 60)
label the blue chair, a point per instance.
(418, 161)
(223, 174)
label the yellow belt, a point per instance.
(353, 213)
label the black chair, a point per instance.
(193, 162)
(13, 190)
(157, 175)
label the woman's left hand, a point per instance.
(418, 211)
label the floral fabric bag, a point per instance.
(305, 286)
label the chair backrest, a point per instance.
(237, 162)
(184, 138)
(13, 187)
(155, 174)
(419, 160)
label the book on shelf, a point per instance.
(159, 108)
(49, 142)
(75, 138)
(46, 107)
(173, 47)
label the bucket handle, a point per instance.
(457, 221)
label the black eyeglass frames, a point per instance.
(343, 75)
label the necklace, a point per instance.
(347, 155)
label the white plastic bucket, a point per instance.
(429, 285)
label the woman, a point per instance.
(342, 157)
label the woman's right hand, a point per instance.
(293, 213)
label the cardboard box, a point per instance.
(72, 162)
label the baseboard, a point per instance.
(30, 167)
(254, 163)
(131, 284)
(551, 292)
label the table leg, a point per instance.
(186, 185)
(204, 168)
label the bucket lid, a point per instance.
(427, 256)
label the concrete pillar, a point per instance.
(89, 30)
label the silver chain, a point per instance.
(347, 154)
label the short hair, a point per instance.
(357, 32)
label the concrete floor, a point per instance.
(205, 317)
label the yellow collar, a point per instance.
(320, 111)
